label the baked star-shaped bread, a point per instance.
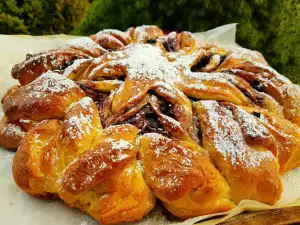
(111, 122)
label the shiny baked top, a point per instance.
(110, 122)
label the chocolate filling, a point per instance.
(202, 63)
(68, 63)
(192, 99)
(170, 45)
(257, 85)
(103, 106)
(146, 121)
(222, 58)
(151, 41)
(259, 100)
(65, 65)
(256, 114)
(93, 93)
(198, 67)
(166, 108)
(247, 93)
(111, 77)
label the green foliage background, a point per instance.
(41, 17)
(269, 26)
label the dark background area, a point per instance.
(271, 27)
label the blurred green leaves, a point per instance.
(41, 17)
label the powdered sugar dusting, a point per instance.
(52, 82)
(171, 181)
(141, 32)
(120, 145)
(146, 61)
(75, 66)
(250, 125)
(200, 78)
(139, 166)
(13, 130)
(155, 137)
(246, 54)
(113, 32)
(79, 126)
(162, 147)
(87, 103)
(112, 81)
(272, 74)
(25, 121)
(84, 44)
(184, 62)
(228, 138)
(142, 62)
(103, 165)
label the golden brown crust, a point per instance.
(27, 165)
(77, 69)
(109, 42)
(45, 98)
(87, 172)
(33, 67)
(90, 169)
(252, 171)
(183, 42)
(86, 45)
(266, 79)
(286, 137)
(121, 36)
(145, 33)
(182, 176)
(8, 92)
(11, 134)
(198, 126)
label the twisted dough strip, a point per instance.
(80, 48)
(264, 78)
(10, 134)
(178, 97)
(173, 168)
(74, 161)
(182, 176)
(251, 169)
(241, 140)
(95, 172)
(281, 98)
(47, 97)
(75, 69)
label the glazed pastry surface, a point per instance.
(112, 122)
